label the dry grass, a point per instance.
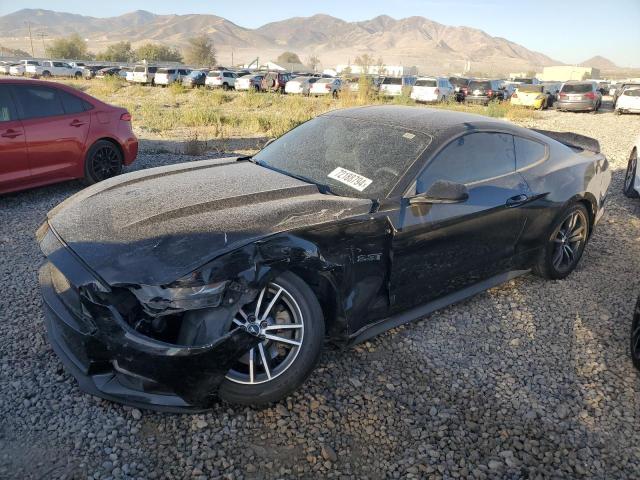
(176, 112)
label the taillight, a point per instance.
(328, 86)
(125, 117)
(436, 91)
(465, 90)
(515, 95)
(590, 95)
(563, 94)
(489, 92)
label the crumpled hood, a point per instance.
(156, 225)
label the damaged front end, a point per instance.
(164, 347)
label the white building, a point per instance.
(389, 70)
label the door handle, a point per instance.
(77, 123)
(517, 200)
(10, 133)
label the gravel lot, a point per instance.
(528, 380)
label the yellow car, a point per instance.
(530, 96)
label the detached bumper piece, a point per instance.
(113, 361)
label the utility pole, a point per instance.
(232, 64)
(30, 39)
(44, 47)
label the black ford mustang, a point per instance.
(174, 286)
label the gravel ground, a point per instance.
(528, 380)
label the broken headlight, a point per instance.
(180, 296)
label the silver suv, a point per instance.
(579, 96)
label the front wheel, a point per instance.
(287, 317)
(563, 249)
(630, 175)
(104, 160)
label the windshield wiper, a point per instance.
(322, 187)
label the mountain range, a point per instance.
(408, 41)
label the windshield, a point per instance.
(632, 92)
(352, 157)
(195, 74)
(392, 81)
(458, 82)
(528, 81)
(577, 88)
(426, 83)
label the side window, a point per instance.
(528, 152)
(470, 158)
(71, 103)
(37, 102)
(58, 64)
(7, 109)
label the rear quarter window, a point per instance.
(528, 152)
(71, 103)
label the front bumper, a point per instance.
(111, 360)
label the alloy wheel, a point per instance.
(635, 342)
(105, 163)
(631, 171)
(276, 319)
(568, 240)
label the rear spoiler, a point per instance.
(572, 140)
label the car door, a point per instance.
(14, 162)
(56, 125)
(440, 248)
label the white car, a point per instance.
(50, 68)
(224, 79)
(248, 82)
(18, 69)
(143, 74)
(165, 76)
(628, 101)
(326, 86)
(4, 67)
(432, 89)
(300, 85)
(632, 178)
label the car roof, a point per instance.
(59, 86)
(440, 124)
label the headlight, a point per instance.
(540, 97)
(180, 296)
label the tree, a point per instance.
(200, 51)
(117, 52)
(365, 62)
(288, 58)
(71, 47)
(313, 62)
(155, 52)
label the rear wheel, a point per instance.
(564, 247)
(103, 161)
(288, 318)
(77, 75)
(630, 175)
(46, 74)
(635, 336)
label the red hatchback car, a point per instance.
(51, 133)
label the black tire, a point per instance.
(104, 160)
(301, 366)
(46, 74)
(630, 175)
(77, 75)
(635, 336)
(555, 261)
(225, 86)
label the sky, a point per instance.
(570, 31)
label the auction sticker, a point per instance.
(350, 178)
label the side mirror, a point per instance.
(442, 191)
